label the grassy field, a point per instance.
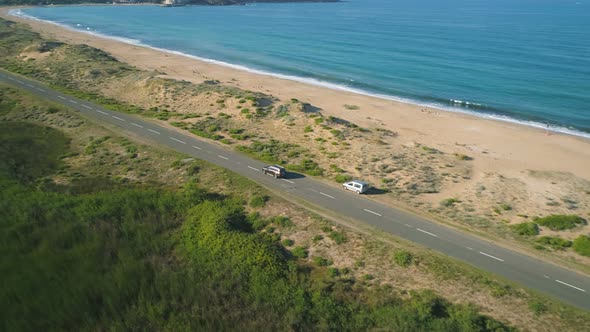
(138, 254)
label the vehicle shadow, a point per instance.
(375, 191)
(291, 175)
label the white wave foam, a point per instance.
(333, 86)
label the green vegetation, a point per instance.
(526, 228)
(560, 222)
(115, 257)
(258, 201)
(341, 178)
(402, 258)
(581, 245)
(272, 151)
(287, 242)
(338, 237)
(300, 252)
(307, 166)
(555, 243)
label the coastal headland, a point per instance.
(478, 174)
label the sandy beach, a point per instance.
(497, 146)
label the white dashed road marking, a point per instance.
(61, 97)
(40, 89)
(332, 197)
(73, 101)
(222, 157)
(373, 212)
(287, 180)
(490, 256)
(254, 168)
(176, 139)
(409, 225)
(546, 276)
(88, 107)
(101, 112)
(425, 232)
(153, 131)
(572, 286)
(137, 125)
(469, 248)
(196, 147)
(118, 118)
(30, 86)
(21, 82)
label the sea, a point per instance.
(524, 61)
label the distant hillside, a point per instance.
(196, 2)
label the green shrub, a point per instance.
(560, 222)
(288, 242)
(317, 238)
(307, 129)
(556, 243)
(505, 206)
(526, 228)
(341, 178)
(338, 237)
(581, 245)
(258, 201)
(333, 272)
(351, 107)
(299, 252)
(282, 221)
(403, 258)
(321, 261)
(538, 308)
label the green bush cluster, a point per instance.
(525, 228)
(403, 258)
(341, 178)
(581, 245)
(307, 166)
(258, 201)
(272, 151)
(560, 222)
(555, 243)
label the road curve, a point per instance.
(560, 283)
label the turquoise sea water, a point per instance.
(518, 60)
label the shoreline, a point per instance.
(507, 146)
(484, 114)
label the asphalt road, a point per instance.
(563, 284)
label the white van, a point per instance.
(357, 186)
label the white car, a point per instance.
(357, 186)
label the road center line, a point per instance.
(176, 139)
(61, 97)
(425, 232)
(469, 248)
(490, 256)
(572, 286)
(196, 147)
(118, 118)
(137, 125)
(21, 82)
(332, 197)
(30, 86)
(288, 181)
(409, 225)
(254, 168)
(40, 89)
(153, 131)
(88, 107)
(101, 112)
(373, 212)
(73, 101)
(222, 157)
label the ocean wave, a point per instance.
(449, 105)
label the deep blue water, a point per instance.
(522, 59)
